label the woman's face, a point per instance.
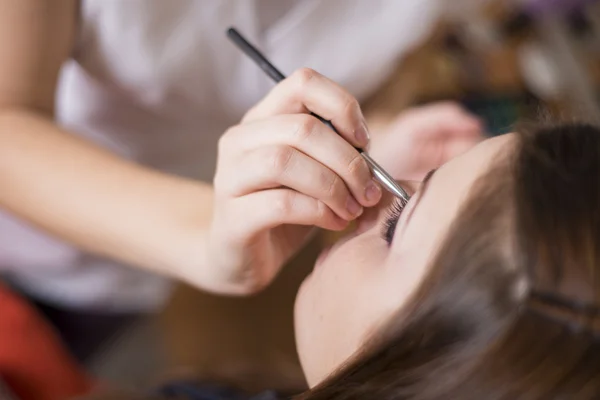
(359, 283)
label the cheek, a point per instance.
(332, 306)
(339, 278)
(330, 288)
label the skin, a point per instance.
(188, 230)
(155, 224)
(309, 175)
(178, 227)
(161, 222)
(360, 282)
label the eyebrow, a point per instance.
(424, 186)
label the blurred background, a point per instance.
(504, 60)
(507, 60)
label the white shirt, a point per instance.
(158, 82)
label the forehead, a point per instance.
(447, 190)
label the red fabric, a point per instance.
(33, 362)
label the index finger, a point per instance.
(307, 91)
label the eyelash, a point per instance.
(394, 214)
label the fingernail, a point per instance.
(353, 207)
(373, 191)
(362, 135)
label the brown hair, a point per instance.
(509, 310)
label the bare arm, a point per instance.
(69, 187)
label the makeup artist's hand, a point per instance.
(281, 172)
(423, 138)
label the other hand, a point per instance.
(423, 138)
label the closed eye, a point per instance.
(391, 221)
(396, 209)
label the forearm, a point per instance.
(97, 201)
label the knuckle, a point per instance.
(332, 183)
(307, 126)
(283, 203)
(225, 188)
(280, 158)
(229, 140)
(323, 212)
(303, 76)
(357, 166)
